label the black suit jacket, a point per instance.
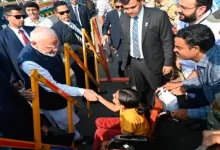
(157, 42)
(112, 18)
(84, 16)
(66, 35)
(10, 47)
(15, 112)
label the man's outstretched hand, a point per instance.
(90, 95)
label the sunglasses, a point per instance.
(64, 12)
(118, 7)
(18, 16)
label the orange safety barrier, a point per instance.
(69, 52)
(35, 78)
(79, 62)
(38, 145)
(96, 38)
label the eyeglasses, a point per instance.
(18, 16)
(117, 7)
(53, 47)
(183, 8)
(64, 12)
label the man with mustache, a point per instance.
(194, 12)
(197, 43)
(42, 55)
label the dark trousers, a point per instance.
(17, 127)
(80, 74)
(120, 59)
(120, 72)
(140, 77)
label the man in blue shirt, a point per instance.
(197, 43)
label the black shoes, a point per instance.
(86, 140)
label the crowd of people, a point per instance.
(151, 43)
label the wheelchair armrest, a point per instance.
(128, 142)
(133, 138)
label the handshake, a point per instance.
(90, 95)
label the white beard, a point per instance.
(51, 55)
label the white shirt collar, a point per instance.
(15, 30)
(67, 23)
(28, 19)
(204, 16)
(75, 6)
(141, 13)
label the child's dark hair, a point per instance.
(130, 99)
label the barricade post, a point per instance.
(68, 82)
(36, 110)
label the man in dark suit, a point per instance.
(112, 19)
(80, 13)
(13, 39)
(15, 112)
(147, 40)
(70, 32)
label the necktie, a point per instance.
(76, 14)
(78, 32)
(24, 37)
(136, 50)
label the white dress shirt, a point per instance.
(77, 11)
(59, 116)
(140, 23)
(42, 22)
(27, 66)
(119, 13)
(19, 35)
(188, 65)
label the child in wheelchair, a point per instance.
(132, 120)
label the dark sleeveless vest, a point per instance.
(55, 66)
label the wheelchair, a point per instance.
(133, 142)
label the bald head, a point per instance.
(44, 40)
(40, 33)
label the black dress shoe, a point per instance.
(86, 140)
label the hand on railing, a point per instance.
(27, 94)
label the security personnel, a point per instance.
(170, 6)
